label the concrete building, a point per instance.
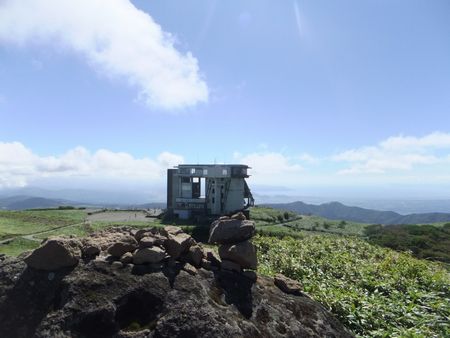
(207, 189)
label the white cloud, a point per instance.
(397, 153)
(270, 167)
(308, 158)
(116, 38)
(20, 166)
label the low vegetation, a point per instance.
(374, 291)
(265, 216)
(424, 241)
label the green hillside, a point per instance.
(375, 292)
(13, 223)
(265, 216)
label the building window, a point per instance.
(224, 172)
(205, 172)
(213, 200)
(192, 170)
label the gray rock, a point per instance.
(288, 285)
(190, 269)
(231, 231)
(195, 255)
(116, 265)
(91, 250)
(240, 216)
(147, 242)
(126, 258)
(126, 244)
(205, 264)
(55, 253)
(178, 244)
(212, 257)
(149, 255)
(230, 266)
(252, 275)
(243, 253)
(171, 230)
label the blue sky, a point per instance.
(315, 95)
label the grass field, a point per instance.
(13, 223)
(36, 225)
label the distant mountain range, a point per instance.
(339, 211)
(333, 210)
(22, 202)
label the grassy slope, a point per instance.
(265, 217)
(375, 292)
(14, 223)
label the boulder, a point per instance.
(231, 231)
(126, 244)
(240, 216)
(147, 242)
(212, 257)
(190, 269)
(116, 265)
(195, 255)
(105, 239)
(149, 255)
(171, 230)
(150, 240)
(139, 234)
(288, 285)
(55, 253)
(90, 250)
(127, 258)
(178, 244)
(230, 266)
(206, 264)
(243, 253)
(250, 274)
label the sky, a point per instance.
(320, 98)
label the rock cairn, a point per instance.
(233, 235)
(125, 247)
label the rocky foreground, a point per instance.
(153, 283)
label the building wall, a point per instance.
(235, 196)
(225, 189)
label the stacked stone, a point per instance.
(154, 247)
(233, 235)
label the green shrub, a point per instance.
(373, 291)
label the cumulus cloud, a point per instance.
(397, 153)
(19, 165)
(270, 167)
(116, 38)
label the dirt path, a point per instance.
(31, 235)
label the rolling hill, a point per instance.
(339, 211)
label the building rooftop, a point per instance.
(212, 165)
